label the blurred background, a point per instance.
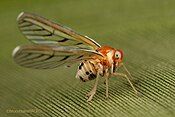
(143, 29)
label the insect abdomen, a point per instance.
(87, 70)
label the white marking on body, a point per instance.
(110, 54)
(112, 68)
(83, 70)
(85, 67)
(109, 57)
(100, 69)
(91, 63)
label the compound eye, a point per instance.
(117, 55)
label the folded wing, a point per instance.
(42, 31)
(47, 57)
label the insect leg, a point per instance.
(122, 65)
(107, 82)
(93, 91)
(125, 76)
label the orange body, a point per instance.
(104, 50)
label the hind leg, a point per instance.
(93, 90)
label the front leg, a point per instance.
(107, 85)
(125, 76)
(107, 82)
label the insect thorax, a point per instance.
(87, 70)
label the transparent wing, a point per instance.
(47, 57)
(42, 31)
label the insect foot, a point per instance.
(90, 95)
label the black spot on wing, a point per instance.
(79, 56)
(44, 65)
(68, 66)
(30, 29)
(31, 58)
(22, 56)
(79, 43)
(34, 61)
(35, 34)
(66, 57)
(48, 34)
(25, 25)
(49, 57)
(63, 40)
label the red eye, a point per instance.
(121, 53)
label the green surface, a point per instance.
(144, 29)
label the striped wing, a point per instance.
(47, 57)
(42, 31)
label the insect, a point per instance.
(55, 45)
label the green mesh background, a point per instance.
(144, 29)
